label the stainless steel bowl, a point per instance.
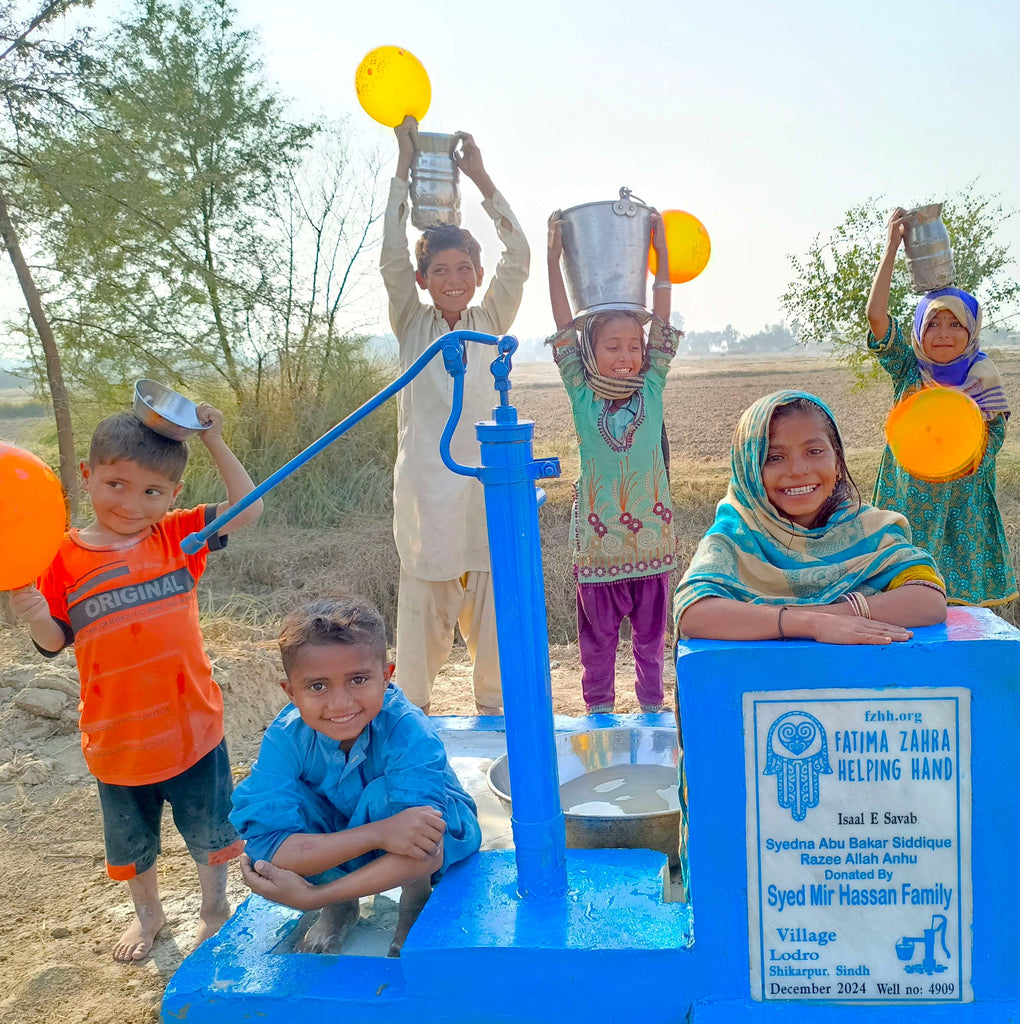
(165, 411)
(583, 752)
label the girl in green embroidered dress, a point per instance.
(958, 520)
(622, 521)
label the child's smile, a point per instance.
(619, 348)
(451, 280)
(127, 499)
(945, 338)
(338, 688)
(799, 472)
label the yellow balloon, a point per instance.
(937, 434)
(687, 243)
(391, 83)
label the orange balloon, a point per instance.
(687, 243)
(32, 517)
(391, 83)
(937, 434)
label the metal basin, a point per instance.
(582, 753)
(162, 409)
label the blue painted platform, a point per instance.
(613, 947)
(974, 649)
(477, 953)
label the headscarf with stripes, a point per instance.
(972, 371)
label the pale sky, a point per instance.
(765, 120)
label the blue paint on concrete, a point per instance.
(477, 953)
(975, 649)
(611, 946)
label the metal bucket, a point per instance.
(926, 245)
(580, 753)
(605, 254)
(434, 187)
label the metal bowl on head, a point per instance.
(165, 411)
(596, 763)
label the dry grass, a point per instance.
(285, 560)
(267, 570)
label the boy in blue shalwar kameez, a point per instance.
(352, 793)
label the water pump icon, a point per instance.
(929, 965)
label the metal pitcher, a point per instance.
(927, 249)
(605, 254)
(434, 188)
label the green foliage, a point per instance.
(39, 77)
(353, 476)
(827, 298)
(159, 204)
(189, 229)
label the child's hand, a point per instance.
(279, 884)
(208, 414)
(416, 832)
(469, 159)
(852, 629)
(898, 223)
(407, 137)
(555, 235)
(28, 605)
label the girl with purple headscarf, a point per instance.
(958, 520)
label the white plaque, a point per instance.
(858, 845)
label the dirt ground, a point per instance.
(60, 914)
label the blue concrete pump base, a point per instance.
(748, 1012)
(478, 952)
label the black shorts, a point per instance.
(200, 800)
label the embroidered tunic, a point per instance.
(957, 521)
(622, 519)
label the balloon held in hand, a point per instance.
(936, 434)
(32, 517)
(687, 243)
(391, 83)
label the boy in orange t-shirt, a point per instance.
(123, 592)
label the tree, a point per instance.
(39, 80)
(165, 246)
(771, 338)
(827, 298)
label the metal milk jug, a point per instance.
(605, 254)
(927, 249)
(434, 188)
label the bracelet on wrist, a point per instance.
(661, 284)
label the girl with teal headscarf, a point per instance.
(794, 553)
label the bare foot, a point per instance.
(332, 927)
(211, 921)
(136, 942)
(413, 897)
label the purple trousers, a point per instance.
(601, 607)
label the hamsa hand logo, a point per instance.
(797, 753)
